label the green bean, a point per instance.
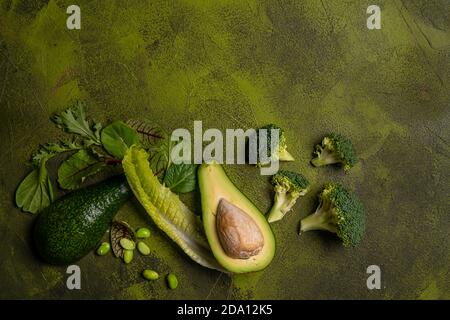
(143, 233)
(103, 249)
(143, 248)
(127, 256)
(172, 281)
(150, 274)
(127, 244)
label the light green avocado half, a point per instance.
(215, 186)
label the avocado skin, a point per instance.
(73, 225)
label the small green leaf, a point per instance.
(79, 166)
(159, 155)
(73, 120)
(51, 149)
(35, 192)
(149, 134)
(117, 138)
(181, 178)
(157, 142)
(120, 230)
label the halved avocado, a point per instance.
(238, 233)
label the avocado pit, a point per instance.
(239, 235)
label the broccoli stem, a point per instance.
(277, 212)
(324, 158)
(322, 219)
(284, 155)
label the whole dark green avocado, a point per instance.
(73, 225)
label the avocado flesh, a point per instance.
(73, 225)
(251, 243)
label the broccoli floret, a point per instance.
(280, 152)
(288, 187)
(340, 211)
(335, 148)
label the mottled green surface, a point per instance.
(311, 66)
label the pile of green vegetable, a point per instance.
(133, 158)
(93, 150)
(123, 244)
(340, 211)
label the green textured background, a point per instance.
(310, 66)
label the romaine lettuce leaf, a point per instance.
(165, 208)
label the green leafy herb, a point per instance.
(99, 152)
(73, 120)
(117, 138)
(35, 192)
(181, 178)
(149, 134)
(49, 150)
(74, 170)
(120, 230)
(159, 156)
(157, 142)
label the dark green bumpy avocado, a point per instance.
(73, 225)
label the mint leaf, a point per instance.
(74, 170)
(181, 178)
(117, 138)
